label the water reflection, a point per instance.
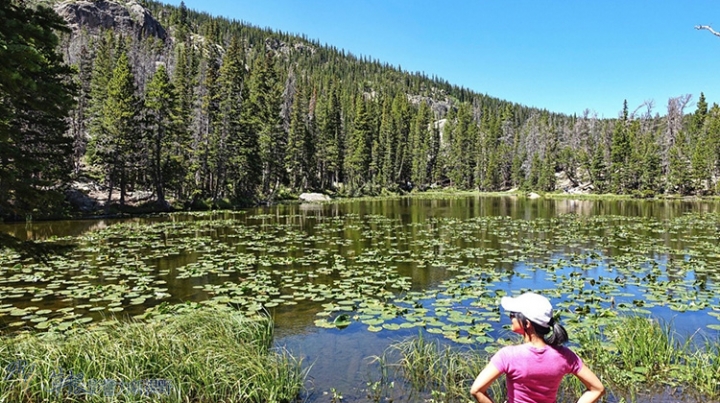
(428, 240)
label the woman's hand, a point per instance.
(595, 388)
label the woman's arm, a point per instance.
(595, 388)
(483, 381)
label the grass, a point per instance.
(198, 356)
(637, 355)
(440, 371)
(637, 359)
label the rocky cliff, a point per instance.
(129, 17)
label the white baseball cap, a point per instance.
(534, 307)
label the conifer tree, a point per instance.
(160, 124)
(598, 170)
(202, 155)
(420, 143)
(357, 163)
(103, 65)
(402, 120)
(183, 82)
(446, 150)
(650, 172)
(433, 151)
(331, 139)
(701, 159)
(620, 153)
(298, 157)
(236, 145)
(712, 124)
(387, 138)
(246, 160)
(464, 157)
(36, 97)
(117, 145)
(266, 121)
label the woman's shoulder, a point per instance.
(564, 350)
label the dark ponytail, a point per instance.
(558, 337)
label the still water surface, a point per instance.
(651, 257)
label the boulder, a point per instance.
(314, 197)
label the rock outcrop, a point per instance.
(123, 17)
(284, 48)
(314, 197)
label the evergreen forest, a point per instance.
(204, 110)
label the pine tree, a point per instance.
(236, 146)
(298, 152)
(102, 70)
(160, 125)
(357, 163)
(464, 158)
(700, 114)
(245, 163)
(117, 146)
(712, 125)
(433, 151)
(598, 170)
(183, 82)
(37, 96)
(266, 121)
(445, 162)
(80, 115)
(420, 143)
(650, 172)
(331, 139)
(620, 151)
(402, 121)
(701, 159)
(387, 138)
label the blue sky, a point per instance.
(562, 56)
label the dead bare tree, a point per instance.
(676, 107)
(708, 28)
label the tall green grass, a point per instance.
(636, 358)
(197, 356)
(438, 371)
(639, 357)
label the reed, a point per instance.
(198, 356)
(637, 358)
(440, 371)
(640, 358)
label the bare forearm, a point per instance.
(590, 396)
(482, 397)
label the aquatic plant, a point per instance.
(201, 355)
(636, 358)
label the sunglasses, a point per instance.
(512, 315)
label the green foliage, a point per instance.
(357, 163)
(636, 354)
(117, 144)
(632, 356)
(299, 157)
(160, 132)
(200, 355)
(254, 111)
(36, 98)
(265, 121)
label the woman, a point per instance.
(534, 369)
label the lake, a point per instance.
(344, 280)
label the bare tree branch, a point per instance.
(709, 28)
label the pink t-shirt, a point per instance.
(533, 374)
